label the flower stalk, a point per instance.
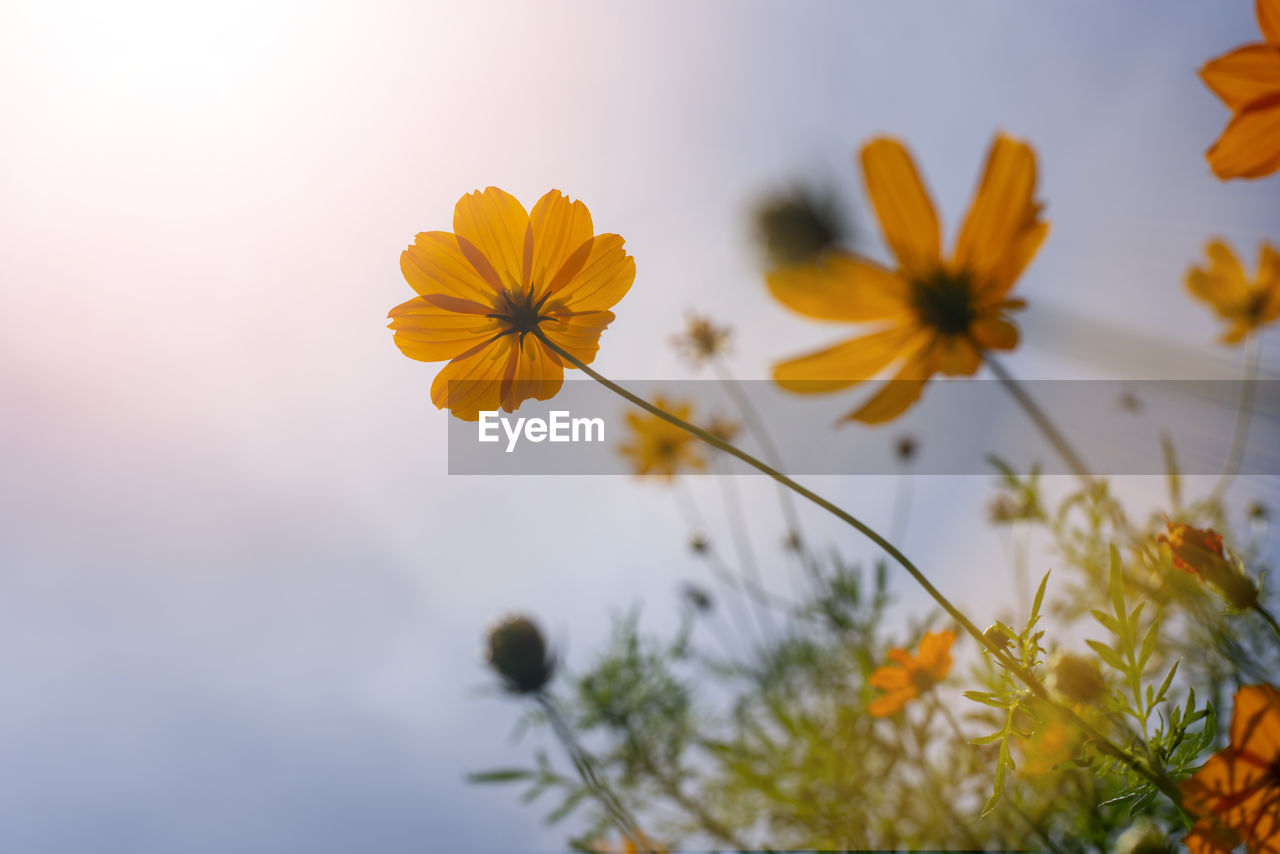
(1159, 779)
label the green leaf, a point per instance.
(1149, 642)
(1107, 654)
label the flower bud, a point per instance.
(518, 652)
(996, 638)
(1076, 677)
(1199, 551)
(798, 228)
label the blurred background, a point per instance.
(241, 601)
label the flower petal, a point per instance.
(1223, 285)
(899, 393)
(935, 652)
(532, 371)
(559, 227)
(840, 287)
(1269, 20)
(473, 380)
(1244, 75)
(884, 706)
(604, 278)
(890, 678)
(429, 333)
(493, 224)
(1003, 219)
(902, 204)
(846, 363)
(1255, 722)
(956, 355)
(1250, 145)
(578, 332)
(435, 264)
(992, 332)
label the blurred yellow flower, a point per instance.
(658, 447)
(502, 274)
(702, 340)
(1237, 792)
(1248, 81)
(935, 314)
(1245, 304)
(912, 676)
(1199, 551)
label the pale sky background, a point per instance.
(241, 603)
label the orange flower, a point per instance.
(1247, 304)
(911, 676)
(658, 447)
(502, 275)
(1237, 792)
(1199, 552)
(1248, 81)
(936, 314)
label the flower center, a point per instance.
(520, 312)
(944, 300)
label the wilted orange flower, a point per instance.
(501, 275)
(1237, 792)
(1199, 552)
(935, 314)
(658, 447)
(911, 676)
(1246, 304)
(1248, 81)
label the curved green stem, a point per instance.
(1162, 782)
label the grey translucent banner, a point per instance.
(1115, 426)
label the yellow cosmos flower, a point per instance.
(502, 274)
(658, 447)
(1245, 304)
(934, 314)
(1248, 81)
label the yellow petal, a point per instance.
(559, 227)
(899, 393)
(846, 363)
(435, 264)
(473, 380)
(1255, 721)
(994, 333)
(884, 706)
(1223, 284)
(1003, 219)
(1250, 145)
(578, 333)
(840, 287)
(1269, 20)
(1244, 75)
(902, 205)
(532, 371)
(935, 652)
(494, 225)
(429, 333)
(957, 356)
(604, 278)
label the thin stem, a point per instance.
(746, 557)
(1244, 414)
(585, 767)
(1268, 617)
(901, 508)
(968, 625)
(755, 424)
(1059, 442)
(733, 607)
